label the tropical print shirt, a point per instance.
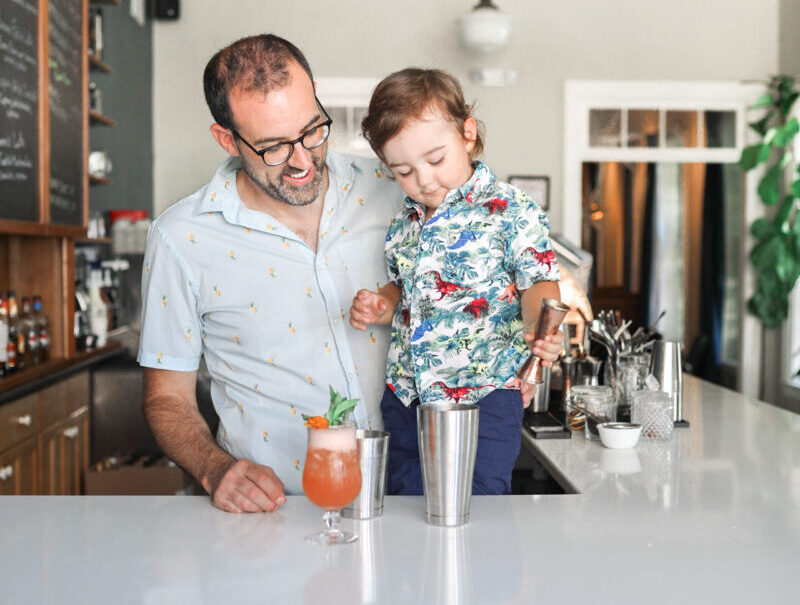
(240, 289)
(457, 330)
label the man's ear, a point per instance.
(470, 134)
(224, 139)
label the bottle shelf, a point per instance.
(99, 180)
(97, 64)
(99, 118)
(92, 240)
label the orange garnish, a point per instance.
(317, 422)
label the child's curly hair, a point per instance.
(406, 95)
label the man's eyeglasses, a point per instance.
(275, 155)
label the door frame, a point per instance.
(582, 95)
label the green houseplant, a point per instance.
(776, 253)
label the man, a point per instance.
(254, 272)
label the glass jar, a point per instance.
(653, 410)
(576, 418)
(599, 406)
(632, 370)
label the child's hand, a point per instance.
(548, 350)
(368, 308)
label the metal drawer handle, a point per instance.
(6, 472)
(71, 432)
(23, 420)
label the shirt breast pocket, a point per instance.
(470, 257)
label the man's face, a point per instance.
(282, 115)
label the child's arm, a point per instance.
(531, 301)
(374, 307)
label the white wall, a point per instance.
(552, 42)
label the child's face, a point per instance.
(429, 157)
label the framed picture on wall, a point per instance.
(538, 187)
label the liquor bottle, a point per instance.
(12, 362)
(42, 329)
(3, 334)
(98, 316)
(29, 328)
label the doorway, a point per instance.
(652, 189)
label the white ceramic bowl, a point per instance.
(619, 435)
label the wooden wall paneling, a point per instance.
(85, 112)
(37, 266)
(4, 264)
(67, 306)
(44, 112)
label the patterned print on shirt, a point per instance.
(457, 331)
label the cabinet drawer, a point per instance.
(18, 420)
(77, 391)
(54, 402)
(19, 468)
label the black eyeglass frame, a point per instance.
(326, 124)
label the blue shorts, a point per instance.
(499, 440)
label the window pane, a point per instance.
(720, 128)
(339, 134)
(643, 128)
(358, 141)
(681, 129)
(605, 127)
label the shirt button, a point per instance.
(419, 362)
(335, 321)
(425, 245)
(350, 375)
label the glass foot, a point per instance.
(333, 533)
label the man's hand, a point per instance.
(242, 486)
(370, 308)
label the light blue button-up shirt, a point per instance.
(269, 314)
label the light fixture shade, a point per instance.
(485, 29)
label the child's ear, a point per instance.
(470, 134)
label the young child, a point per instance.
(469, 259)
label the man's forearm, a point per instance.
(531, 301)
(184, 436)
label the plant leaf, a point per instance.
(764, 254)
(768, 187)
(786, 133)
(787, 102)
(760, 126)
(782, 217)
(785, 265)
(753, 155)
(762, 228)
(796, 232)
(795, 188)
(764, 100)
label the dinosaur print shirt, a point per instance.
(457, 330)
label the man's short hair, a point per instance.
(253, 63)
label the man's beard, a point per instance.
(294, 195)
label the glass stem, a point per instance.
(332, 521)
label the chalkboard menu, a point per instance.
(67, 178)
(19, 98)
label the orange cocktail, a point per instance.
(332, 476)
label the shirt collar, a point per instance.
(482, 178)
(221, 194)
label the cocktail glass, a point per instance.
(332, 478)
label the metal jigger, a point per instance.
(551, 315)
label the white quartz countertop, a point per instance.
(712, 517)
